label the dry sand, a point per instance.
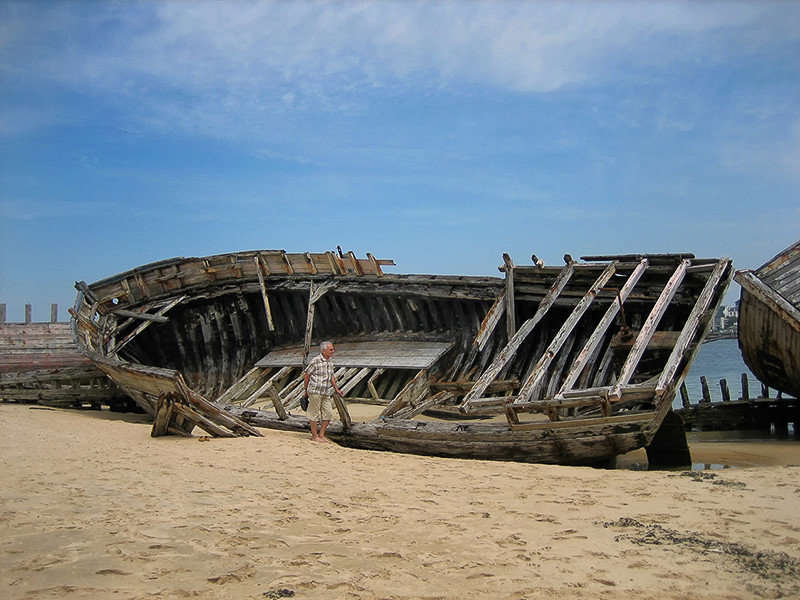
(92, 507)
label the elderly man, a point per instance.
(319, 383)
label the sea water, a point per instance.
(722, 359)
(718, 360)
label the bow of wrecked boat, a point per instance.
(569, 364)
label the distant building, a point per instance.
(727, 317)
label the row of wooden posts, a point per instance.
(724, 389)
(29, 313)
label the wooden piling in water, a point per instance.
(723, 386)
(704, 388)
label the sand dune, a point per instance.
(92, 507)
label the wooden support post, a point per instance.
(267, 309)
(344, 414)
(723, 386)
(745, 387)
(54, 313)
(511, 312)
(276, 401)
(163, 416)
(3, 312)
(685, 402)
(309, 324)
(27, 313)
(704, 387)
(764, 391)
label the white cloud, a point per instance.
(233, 69)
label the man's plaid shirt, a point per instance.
(320, 372)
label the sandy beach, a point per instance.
(93, 507)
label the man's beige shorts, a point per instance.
(320, 408)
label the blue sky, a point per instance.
(438, 134)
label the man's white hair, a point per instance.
(322, 345)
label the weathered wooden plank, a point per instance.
(164, 408)
(602, 327)
(201, 421)
(122, 312)
(419, 386)
(341, 408)
(264, 295)
(490, 321)
(143, 326)
(412, 411)
(536, 376)
(380, 354)
(508, 352)
(690, 332)
(510, 301)
(648, 329)
(276, 401)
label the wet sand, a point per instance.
(92, 507)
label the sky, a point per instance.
(436, 134)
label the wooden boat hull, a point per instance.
(769, 321)
(577, 445)
(583, 360)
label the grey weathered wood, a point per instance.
(412, 411)
(139, 315)
(410, 394)
(507, 353)
(276, 401)
(341, 408)
(172, 303)
(163, 416)
(566, 329)
(380, 354)
(649, 328)
(490, 321)
(602, 327)
(689, 332)
(511, 310)
(264, 295)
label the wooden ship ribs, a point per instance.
(579, 363)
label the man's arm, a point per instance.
(336, 387)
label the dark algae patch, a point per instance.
(777, 568)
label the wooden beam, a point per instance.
(507, 353)
(490, 321)
(264, 296)
(412, 411)
(510, 306)
(143, 326)
(600, 331)
(689, 331)
(538, 372)
(276, 401)
(344, 414)
(139, 315)
(648, 329)
(412, 391)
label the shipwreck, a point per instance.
(568, 364)
(769, 321)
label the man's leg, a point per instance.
(323, 427)
(314, 434)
